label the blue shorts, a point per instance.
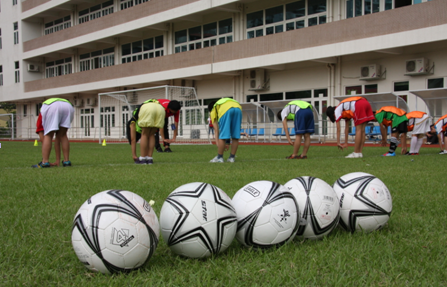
(230, 124)
(304, 122)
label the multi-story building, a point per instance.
(265, 52)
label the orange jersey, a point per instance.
(393, 110)
(346, 108)
(441, 124)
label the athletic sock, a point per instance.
(393, 144)
(219, 155)
(413, 145)
(419, 144)
(142, 158)
(232, 155)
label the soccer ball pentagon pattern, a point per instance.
(267, 214)
(365, 202)
(115, 231)
(198, 220)
(318, 204)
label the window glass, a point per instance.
(180, 37)
(125, 49)
(195, 33)
(210, 30)
(274, 15)
(295, 10)
(353, 90)
(371, 89)
(252, 97)
(148, 44)
(255, 19)
(435, 83)
(158, 42)
(316, 6)
(401, 86)
(136, 47)
(225, 26)
(298, 95)
(320, 93)
(271, 97)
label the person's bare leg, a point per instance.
(234, 146)
(61, 136)
(297, 145)
(359, 138)
(144, 142)
(46, 146)
(306, 145)
(152, 132)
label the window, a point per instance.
(355, 8)
(252, 97)
(97, 59)
(38, 107)
(1, 75)
(96, 11)
(299, 95)
(0, 38)
(211, 34)
(371, 89)
(435, 83)
(287, 17)
(142, 49)
(16, 33)
(57, 25)
(401, 86)
(25, 110)
(14, 2)
(58, 68)
(17, 72)
(129, 3)
(353, 90)
(271, 97)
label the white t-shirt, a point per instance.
(290, 109)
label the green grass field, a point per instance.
(38, 206)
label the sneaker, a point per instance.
(150, 161)
(408, 153)
(216, 159)
(443, 152)
(168, 149)
(354, 155)
(66, 163)
(230, 159)
(159, 149)
(41, 165)
(138, 161)
(389, 154)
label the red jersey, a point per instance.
(165, 103)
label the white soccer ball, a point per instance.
(198, 220)
(115, 231)
(318, 204)
(267, 214)
(365, 202)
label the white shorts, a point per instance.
(58, 114)
(421, 126)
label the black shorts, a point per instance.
(401, 128)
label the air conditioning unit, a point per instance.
(132, 98)
(91, 102)
(416, 67)
(78, 102)
(257, 80)
(370, 72)
(33, 68)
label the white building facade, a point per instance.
(263, 52)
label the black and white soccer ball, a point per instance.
(267, 214)
(365, 202)
(198, 220)
(318, 204)
(115, 231)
